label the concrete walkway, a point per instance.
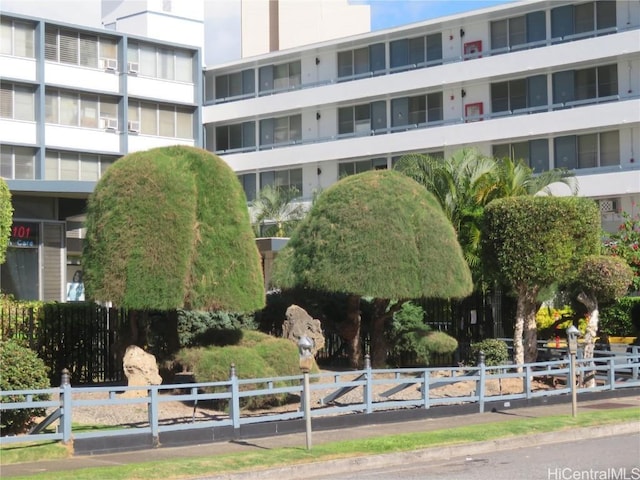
(602, 401)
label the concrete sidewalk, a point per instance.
(601, 401)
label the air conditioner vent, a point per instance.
(109, 123)
(134, 126)
(608, 205)
(110, 64)
(133, 67)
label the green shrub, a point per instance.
(198, 328)
(257, 355)
(495, 352)
(412, 338)
(622, 318)
(20, 369)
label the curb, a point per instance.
(336, 467)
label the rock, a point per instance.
(140, 369)
(298, 323)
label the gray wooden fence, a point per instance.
(370, 390)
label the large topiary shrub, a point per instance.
(169, 228)
(20, 369)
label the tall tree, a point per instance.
(377, 234)
(6, 219)
(169, 228)
(601, 278)
(275, 211)
(530, 243)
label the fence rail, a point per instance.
(373, 390)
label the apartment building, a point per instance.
(73, 101)
(555, 83)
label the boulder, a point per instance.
(140, 369)
(299, 323)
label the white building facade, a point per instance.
(73, 101)
(555, 83)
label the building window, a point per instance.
(585, 18)
(159, 62)
(359, 166)
(17, 38)
(519, 94)
(418, 110)
(534, 153)
(232, 86)
(76, 166)
(17, 102)
(249, 184)
(511, 33)
(275, 78)
(587, 151)
(160, 120)
(585, 84)
(75, 48)
(362, 119)
(81, 110)
(285, 179)
(282, 130)
(361, 62)
(17, 163)
(416, 52)
(235, 137)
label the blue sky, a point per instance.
(392, 13)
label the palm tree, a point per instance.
(276, 212)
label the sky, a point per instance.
(384, 14)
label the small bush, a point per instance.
(257, 355)
(20, 369)
(197, 328)
(622, 318)
(413, 339)
(495, 352)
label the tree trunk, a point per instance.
(350, 331)
(590, 335)
(525, 348)
(378, 337)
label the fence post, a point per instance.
(234, 403)
(612, 373)
(66, 400)
(480, 387)
(425, 388)
(368, 388)
(153, 407)
(527, 380)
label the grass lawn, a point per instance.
(184, 468)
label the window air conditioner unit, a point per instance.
(608, 205)
(109, 123)
(110, 64)
(134, 126)
(133, 67)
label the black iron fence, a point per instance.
(79, 337)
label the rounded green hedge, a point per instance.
(20, 369)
